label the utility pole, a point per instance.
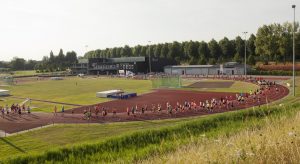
(294, 93)
(149, 57)
(245, 54)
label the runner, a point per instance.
(133, 111)
(55, 110)
(153, 108)
(97, 111)
(2, 111)
(28, 109)
(143, 110)
(19, 111)
(62, 111)
(128, 112)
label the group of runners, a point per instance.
(210, 106)
(14, 109)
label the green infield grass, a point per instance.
(81, 91)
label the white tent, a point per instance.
(4, 92)
(107, 93)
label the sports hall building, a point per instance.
(229, 68)
(111, 66)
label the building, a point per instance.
(108, 66)
(229, 68)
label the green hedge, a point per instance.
(273, 72)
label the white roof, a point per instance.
(2, 90)
(190, 66)
(110, 91)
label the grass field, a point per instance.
(71, 90)
(135, 140)
(25, 73)
(21, 73)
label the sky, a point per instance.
(31, 29)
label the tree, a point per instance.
(137, 50)
(97, 53)
(144, 51)
(118, 52)
(215, 50)
(113, 52)
(203, 51)
(202, 60)
(297, 45)
(175, 51)
(251, 60)
(60, 59)
(192, 50)
(157, 50)
(126, 51)
(30, 64)
(251, 45)
(227, 49)
(71, 58)
(164, 51)
(239, 49)
(17, 63)
(267, 42)
(89, 54)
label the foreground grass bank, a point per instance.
(61, 135)
(276, 142)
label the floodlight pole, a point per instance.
(245, 54)
(294, 94)
(149, 57)
(86, 50)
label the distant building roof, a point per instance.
(225, 65)
(190, 66)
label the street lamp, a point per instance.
(149, 57)
(294, 7)
(245, 54)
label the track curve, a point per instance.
(14, 123)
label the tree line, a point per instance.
(271, 43)
(52, 63)
(19, 64)
(58, 62)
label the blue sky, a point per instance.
(32, 28)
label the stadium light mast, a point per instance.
(149, 56)
(294, 7)
(245, 33)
